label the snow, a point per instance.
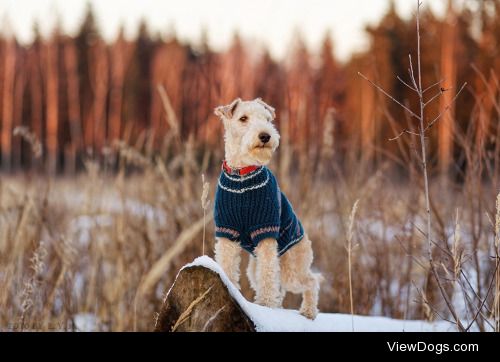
(85, 322)
(286, 320)
(110, 205)
(82, 226)
(113, 203)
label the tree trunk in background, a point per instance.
(75, 127)
(99, 79)
(449, 74)
(108, 92)
(36, 97)
(367, 131)
(17, 116)
(118, 68)
(52, 104)
(7, 102)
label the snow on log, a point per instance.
(203, 299)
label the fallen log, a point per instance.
(199, 301)
(203, 299)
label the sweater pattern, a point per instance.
(251, 208)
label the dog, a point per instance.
(251, 212)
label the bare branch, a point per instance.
(445, 108)
(415, 259)
(433, 97)
(418, 50)
(412, 73)
(472, 289)
(432, 241)
(425, 301)
(433, 85)
(388, 95)
(405, 131)
(484, 300)
(406, 84)
(468, 302)
(426, 181)
(416, 85)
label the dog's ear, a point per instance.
(267, 106)
(227, 111)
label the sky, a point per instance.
(268, 22)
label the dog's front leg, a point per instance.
(268, 274)
(228, 256)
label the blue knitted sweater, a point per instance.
(251, 208)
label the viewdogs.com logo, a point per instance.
(437, 348)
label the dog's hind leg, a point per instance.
(228, 256)
(297, 277)
(267, 272)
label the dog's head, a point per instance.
(250, 136)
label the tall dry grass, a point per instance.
(423, 129)
(350, 248)
(107, 246)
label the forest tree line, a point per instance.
(79, 94)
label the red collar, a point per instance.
(238, 171)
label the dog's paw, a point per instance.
(270, 302)
(309, 312)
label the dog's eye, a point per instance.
(243, 119)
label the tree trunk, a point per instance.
(199, 301)
(449, 74)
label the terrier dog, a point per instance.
(251, 212)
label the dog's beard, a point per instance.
(262, 154)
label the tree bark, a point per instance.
(199, 301)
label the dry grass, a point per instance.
(185, 315)
(110, 245)
(424, 126)
(349, 248)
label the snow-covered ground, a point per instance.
(286, 320)
(85, 322)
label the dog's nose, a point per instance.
(264, 137)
